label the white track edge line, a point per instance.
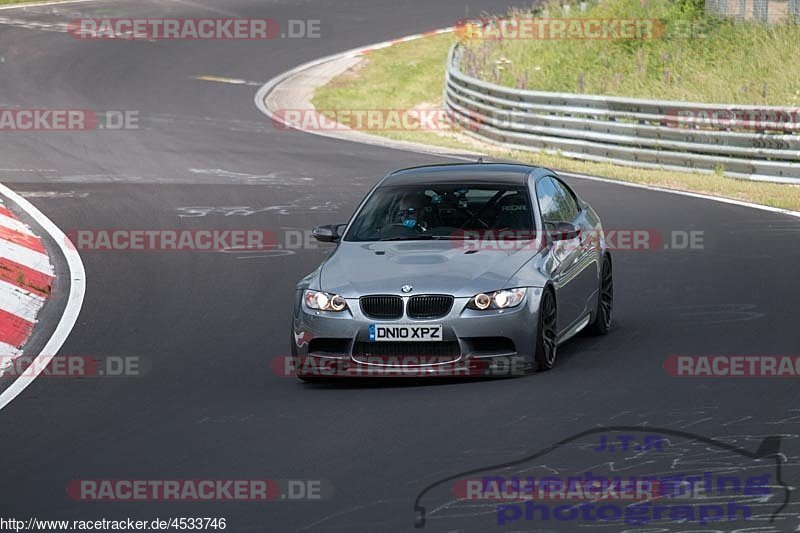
(721, 199)
(264, 90)
(42, 4)
(77, 290)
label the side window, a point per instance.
(547, 194)
(567, 204)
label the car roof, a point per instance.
(507, 173)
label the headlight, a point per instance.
(324, 301)
(504, 299)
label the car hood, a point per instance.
(430, 267)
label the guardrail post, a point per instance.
(794, 10)
(761, 10)
(717, 7)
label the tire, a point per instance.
(604, 312)
(547, 332)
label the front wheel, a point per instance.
(605, 301)
(547, 334)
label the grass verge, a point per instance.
(411, 75)
(686, 55)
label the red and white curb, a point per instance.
(26, 280)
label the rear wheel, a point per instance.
(547, 334)
(605, 301)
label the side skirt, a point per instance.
(574, 330)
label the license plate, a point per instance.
(404, 332)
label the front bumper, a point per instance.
(481, 343)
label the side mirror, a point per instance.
(564, 231)
(328, 233)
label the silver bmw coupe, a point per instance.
(458, 269)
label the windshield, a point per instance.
(445, 211)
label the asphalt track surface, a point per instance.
(210, 323)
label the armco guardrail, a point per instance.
(624, 131)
